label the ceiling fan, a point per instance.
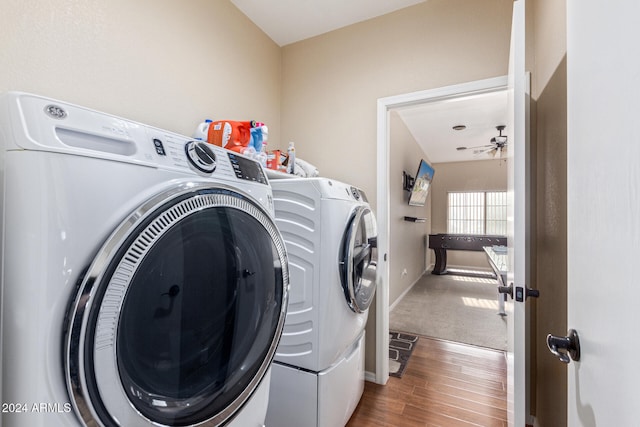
(498, 144)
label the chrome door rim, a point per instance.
(194, 197)
(346, 262)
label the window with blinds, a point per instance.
(478, 212)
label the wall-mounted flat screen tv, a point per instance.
(421, 184)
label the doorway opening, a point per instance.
(386, 108)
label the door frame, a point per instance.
(384, 107)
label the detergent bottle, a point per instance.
(261, 156)
(291, 158)
(256, 139)
(202, 131)
(232, 135)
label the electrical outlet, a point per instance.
(404, 272)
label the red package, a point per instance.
(231, 135)
(274, 159)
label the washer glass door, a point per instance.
(182, 324)
(359, 258)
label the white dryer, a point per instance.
(144, 282)
(330, 235)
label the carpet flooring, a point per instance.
(455, 308)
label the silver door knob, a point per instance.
(565, 348)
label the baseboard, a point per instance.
(466, 267)
(370, 376)
(408, 289)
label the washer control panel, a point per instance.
(49, 125)
(177, 151)
(201, 156)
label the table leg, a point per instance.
(440, 266)
(501, 299)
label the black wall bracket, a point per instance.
(407, 181)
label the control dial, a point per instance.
(201, 156)
(355, 193)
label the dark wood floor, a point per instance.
(445, 384)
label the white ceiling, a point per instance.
(431, 124)
(289, 21)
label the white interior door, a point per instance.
(603, 82)
(518, 223)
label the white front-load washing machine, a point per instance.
(144, 282)
(331, 240)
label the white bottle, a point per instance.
(262, 155)
(291, 156)
(202, 131)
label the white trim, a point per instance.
(397, 301)
(370, 376)
(384, 105)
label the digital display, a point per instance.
(247, 169)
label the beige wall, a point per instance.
(408, 257)
(331, 82)
(490, 175)
(162, 62)
(549, 91)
